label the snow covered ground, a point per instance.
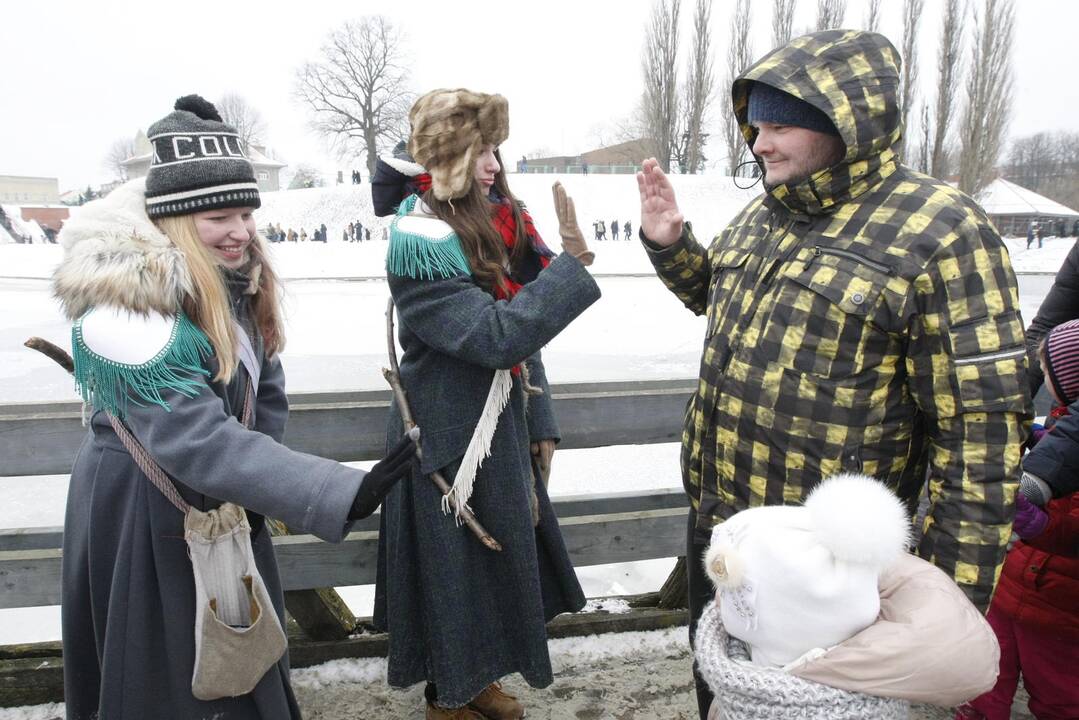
(335, 332)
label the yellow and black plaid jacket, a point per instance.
(865, 319)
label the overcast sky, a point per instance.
(76, 76)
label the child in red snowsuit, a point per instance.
(1035, 611)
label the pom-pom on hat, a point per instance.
(792, 579)
(448, 129)
(1062, 361)
(198, 163)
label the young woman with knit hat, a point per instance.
(176, 342)
(478, 295)
(1035, 609)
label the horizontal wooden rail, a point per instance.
(42, 438)
(597, 529)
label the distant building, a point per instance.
(267, 170)
(1012, 208)
(23, 190)
(50, 217)
(623, 158)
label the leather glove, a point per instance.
(1030, 520)
(384, 475)
(572, 237)
(543, 451)
(1034, 489)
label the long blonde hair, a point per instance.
(207, 304)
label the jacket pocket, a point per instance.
(990, 378)
(828, 316)
(726, 269)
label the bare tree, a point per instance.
(949, 71)
(1048, 164)
(240, 114)
(698, 92)
(926, 144)
(830, 13)
(872, 18)
(782, 21)
(119, 151)
(358, 92)
(739, 56)
(912, 15)
(989, 95)
(660, 99)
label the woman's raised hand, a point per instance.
(661, 220)
(572, 237)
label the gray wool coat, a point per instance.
(458, 614)
(128, 589)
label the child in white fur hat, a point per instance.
(821, 613)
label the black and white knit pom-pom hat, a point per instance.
(198, 163)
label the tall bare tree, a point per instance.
(912, 15)
(921, 155)
(120, 150)
(830, 13)
(739, 56)
(872, 16)
(989, 95)
(660, 99)
(358, 92)
(1048, 164)
(698, 91)
(949, 71)
(243, 116)
(782, 21)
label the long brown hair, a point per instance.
(471, 219)
(207, 304)
(521, 244)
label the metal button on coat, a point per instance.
(857, 298)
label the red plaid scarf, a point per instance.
(502, 217)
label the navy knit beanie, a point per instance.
(769, 104)
(1062, 360)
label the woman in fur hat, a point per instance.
(478, 295)
(177, 333)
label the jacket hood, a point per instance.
(115, 255)
(852, 77)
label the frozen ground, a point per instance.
(335, 330)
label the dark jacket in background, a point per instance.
(1059, 306)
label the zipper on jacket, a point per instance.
(862, 259)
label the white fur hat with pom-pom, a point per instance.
(794, 579)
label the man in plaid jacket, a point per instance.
(860, 317)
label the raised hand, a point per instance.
(661, 220)
(572, 237)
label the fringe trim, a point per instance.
(109, 385)
(422, 257)
(479, 447)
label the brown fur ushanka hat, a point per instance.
(448, 129)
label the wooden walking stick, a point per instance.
(393, 377)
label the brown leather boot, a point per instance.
(434, 712)
(497, 705)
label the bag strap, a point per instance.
(151, 469)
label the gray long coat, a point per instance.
(460, 615)
(128, 590)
